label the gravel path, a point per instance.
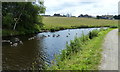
(110, 51)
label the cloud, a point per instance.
(77, 7)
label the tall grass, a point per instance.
(82, 53)
(76, 44)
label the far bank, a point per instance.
(52, 24)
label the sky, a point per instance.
(77, 7)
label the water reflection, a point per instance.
(37, 50)
(24, 56)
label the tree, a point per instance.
(117, 17)
(22, 16)
(98, 17)
(81, 15)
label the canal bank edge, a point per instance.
(87, 59)
(7, 33)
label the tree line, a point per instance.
(108, 17)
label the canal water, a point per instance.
(35, 51)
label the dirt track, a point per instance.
(110, 51)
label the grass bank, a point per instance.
(59, 23)
(83, 53)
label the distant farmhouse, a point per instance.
(110, 17)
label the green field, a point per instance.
(74, 22)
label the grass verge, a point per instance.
(83, 53)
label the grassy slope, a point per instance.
(86, 59)
(52, 22)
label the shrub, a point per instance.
(93, 34)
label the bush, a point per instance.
(93, 34)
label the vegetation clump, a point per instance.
(93, 34)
